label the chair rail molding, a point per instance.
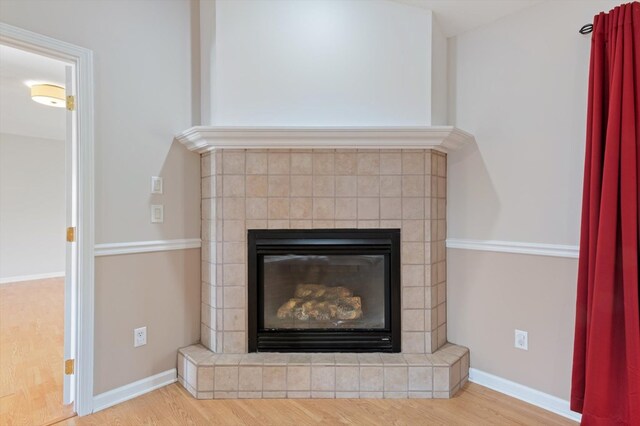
(538, 249)
(131, 247)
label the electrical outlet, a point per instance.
(157, 213)
(156, 185)
(522, 340)
(139, 337)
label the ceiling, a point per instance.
(459, 16)
(19, 115)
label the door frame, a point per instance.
(82, 60)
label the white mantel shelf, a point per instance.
(207, 138)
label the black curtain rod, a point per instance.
(586, 29)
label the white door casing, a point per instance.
(80, 338)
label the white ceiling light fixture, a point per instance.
(48, 94)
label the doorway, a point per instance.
(58, 304)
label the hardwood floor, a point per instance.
(31, 352)
(31, 344)
(172, 405)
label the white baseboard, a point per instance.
(539, 249)
(132, 390)
(20, 278)
(524, 393)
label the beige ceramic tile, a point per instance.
(371, 379)
(323, 208)
(346, 186)
(301, 163)
(324, 186)
(234, 297)
(368, 186)
(368, 208)
(250, 379)
(233, 185)
(390, 163)
(274, 378)
(234, 342)
(412, 186)
(368, 163)
(256, 163)
(346, 163)
(413, 320)
(234, 230)
(301, 208)
(234, 274)
(256, 208)
(412, 275)
(346, 208)
(278, 163)
(395, 379)
(298, 378)
(391, 208)
(301, 186)
(278, 186)
(412, 163)
(226, 378)
(233, 208)
(323, 163)
(420, 378)
(347, 378)
(300, 224)
(233, 252)
(323, 378)
(413, 298)
(390, 186)
(413, 208)
(233, 163)
(234, 319)
(412, 342)
(412, 253)
(278, 208)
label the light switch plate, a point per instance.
(156, 185)
(157, 213)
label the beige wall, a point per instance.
(142, 62)
(492, 294)
(158, 290)
(520, 86)
(143, 97)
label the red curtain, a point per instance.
(606, 360)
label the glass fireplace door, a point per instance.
(315, 291)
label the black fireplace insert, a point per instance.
(324, 290)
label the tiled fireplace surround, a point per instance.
(246, 189)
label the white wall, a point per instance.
(321, 62)
(143, 97)
(520, 86)
(32, 206)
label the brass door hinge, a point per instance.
(69, 366)
(71, 103)
(71, 234)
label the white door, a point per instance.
(71, 270)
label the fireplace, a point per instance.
(324, 290)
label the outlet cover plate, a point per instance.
(139, 337)
(521, 340)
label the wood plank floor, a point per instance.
(31, 352)
(172, 405)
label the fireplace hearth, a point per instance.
(324, 290)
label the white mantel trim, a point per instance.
(206, 138)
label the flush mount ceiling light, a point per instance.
(48, 94)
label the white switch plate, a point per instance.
(157, 213)
(522, 340)
(139, 337)
(156, 185)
